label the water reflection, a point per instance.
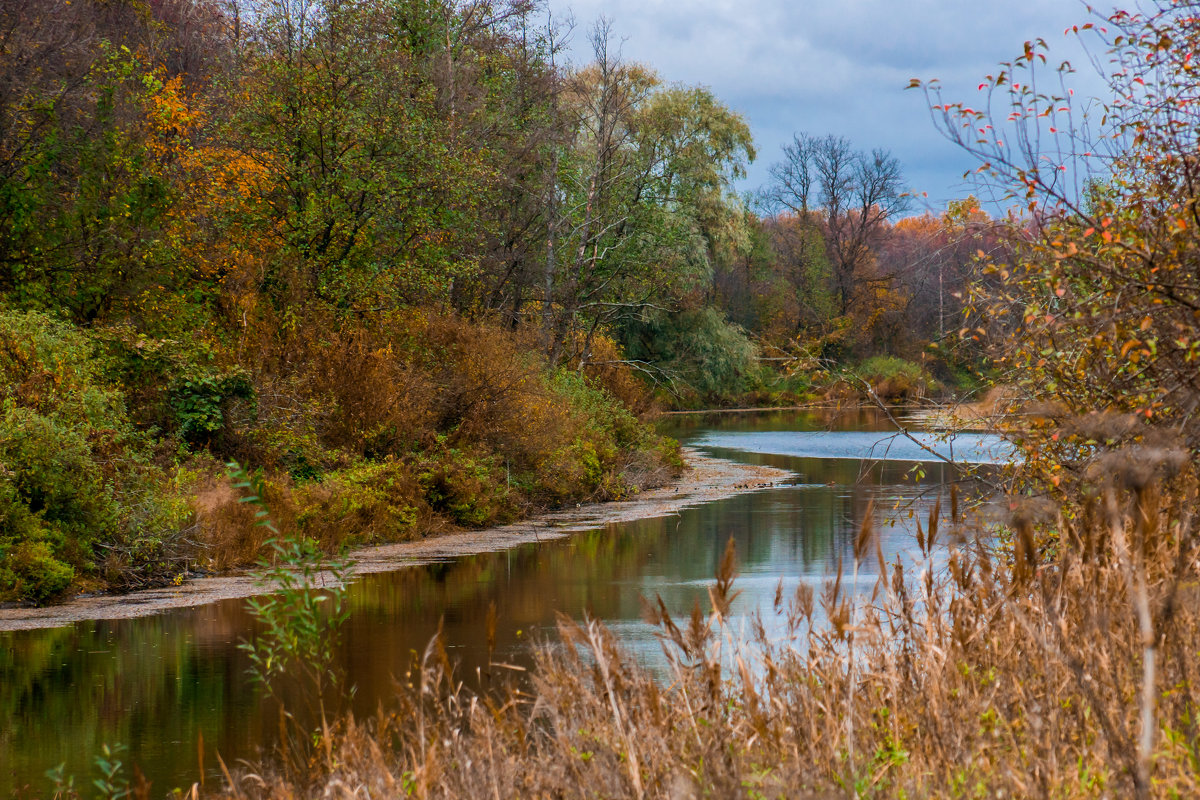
(157, 684)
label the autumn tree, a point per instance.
(1097, 306)
(931, 262)
(357, 112)
(849, 194)
(802, 262)
(90, 138)
(519, 116)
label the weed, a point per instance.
(302, 617)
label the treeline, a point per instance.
(404, 260)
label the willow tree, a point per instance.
(639, 191)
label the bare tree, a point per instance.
(855, 194)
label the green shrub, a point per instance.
(198, 402)
(74, 475)
(894, 378)
(612, 452)
(176, 385)
(49, 367)
(33, 573)
(471, 489)
(375, 501)
(601, 414)
(52, 472)
(58, 425)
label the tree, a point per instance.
(354, 110)
(638, 194)
(92, 130)
(933, 261)
(1097, 306)
(849, 194)
(519, 118)
(802, 265)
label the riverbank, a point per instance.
(707, 479)
(816, 406)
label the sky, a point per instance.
(840, 66)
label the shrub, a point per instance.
(365, 433)
(198, 403)
(600, 413)
(53, 475)
(895, 379)
(50, 368)
(176, 385)
(368, 502)
(705, 356)
(470, 489)
(367, 396)
(74, 476)
(607, 368)
(33, 572)
(490, 390)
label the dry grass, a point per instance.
(1062, 669)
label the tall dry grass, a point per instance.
(1057, 660)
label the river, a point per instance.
(160, 684)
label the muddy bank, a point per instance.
(708, 479)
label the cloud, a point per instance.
(838, 66)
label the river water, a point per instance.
(160, 685)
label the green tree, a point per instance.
(639, 195)
(87, 181)
(366, 188)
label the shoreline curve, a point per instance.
(707, 479)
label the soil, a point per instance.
(706, 479)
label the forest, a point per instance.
(370, 270)
(411, 269)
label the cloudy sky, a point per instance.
(838, 66)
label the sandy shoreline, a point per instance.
(708, 479)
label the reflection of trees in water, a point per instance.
(66, 691)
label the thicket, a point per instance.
(369, 439)
(376, 250)
(78, 487)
